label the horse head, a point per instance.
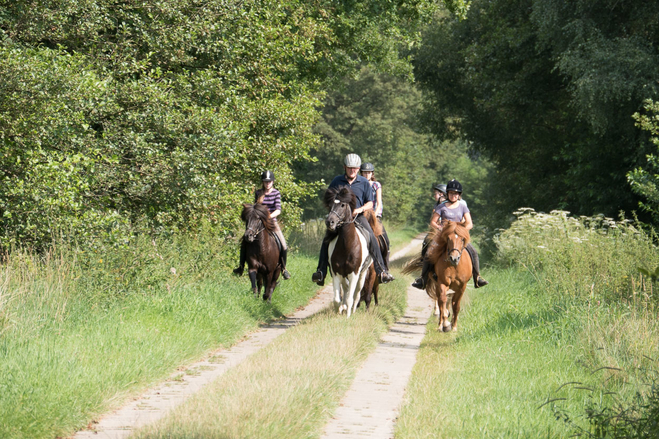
(457, 238)
(257, 219)
(340, 202)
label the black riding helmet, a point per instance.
(267, 176)
(441, 188)
(454, 185)
(367, 167)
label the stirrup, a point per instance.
(285, 274)
(480, 282)
(318, 278)
(419, 283)
(385, 277)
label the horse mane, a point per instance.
(341, 193)
(260, 212)
(440, 242)
(373, 222)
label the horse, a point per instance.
(450, 270)
(261, 250)
(372, 283)
(349, 259)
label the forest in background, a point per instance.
(120, 118)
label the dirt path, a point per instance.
(368, 410)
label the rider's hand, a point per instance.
(357, 212)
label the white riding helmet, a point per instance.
(352, 161)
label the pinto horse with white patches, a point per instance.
(349, 259)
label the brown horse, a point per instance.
(372, 283)
(261, 251)
(349, 260)
(451, 270)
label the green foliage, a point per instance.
(82, 332)
(645, 180)
(377, 116)
(119, 118)
(545, 90)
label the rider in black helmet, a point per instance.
(367, 170)
(454, 209)
(270, 198)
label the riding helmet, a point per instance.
(267, 176)
(441, 188)
(454, 185)
(352, 161)
(367, 167)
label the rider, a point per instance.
(454, 209)
(364, 196)
(270, 198)
(367, 170)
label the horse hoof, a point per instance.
(447, 328)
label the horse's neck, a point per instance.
(348, 233)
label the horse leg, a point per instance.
(456, 307)
(444, 323)
(336, 282)
(349, 297)
(252, 278)
(357, 293)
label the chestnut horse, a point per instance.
(451, 269)
(261, 251)
(349, 260)
(372, 283)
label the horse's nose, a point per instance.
(454, 260)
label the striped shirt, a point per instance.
(272, 200)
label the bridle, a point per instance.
(256, 230)
(340, 219)
(454, 249)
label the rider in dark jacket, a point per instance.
(364, 195)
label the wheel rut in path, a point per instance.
(370, 407)
(159, 401)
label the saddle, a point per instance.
(276, 238)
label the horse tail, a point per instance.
(413, 265)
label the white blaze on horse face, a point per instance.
(336, 201)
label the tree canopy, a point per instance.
(120, 113)
(546, 90)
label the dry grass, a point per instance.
(290, 388)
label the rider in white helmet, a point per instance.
(364, 196)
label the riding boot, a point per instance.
(323, 262)
(387, 249)
(422, 281)
(475, 270)
(241, 264)
(282, 260)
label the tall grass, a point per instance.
(593, 267)
(82, 330)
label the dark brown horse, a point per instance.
(349, 260)
(451, 269)
(261, 251)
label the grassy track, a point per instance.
(513, 352)
(64, 360)
(290, 388)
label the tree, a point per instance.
(545, 90)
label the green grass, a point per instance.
(518, 348)
(68, 357)
(290, 388)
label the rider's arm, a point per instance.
(365, 207)
(275, 213)
(378, 195)
(434, 221)
(466, 221)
